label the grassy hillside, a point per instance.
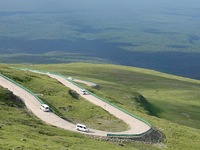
(167, 94)
(154, 96)
(21, 130)
(57, 97)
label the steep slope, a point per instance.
(167, 95)
(21, 130)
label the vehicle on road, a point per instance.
(44, 107)
(83, 92)
(82, 127)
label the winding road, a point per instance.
(135, 125)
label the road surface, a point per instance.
(135, 126)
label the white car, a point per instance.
(83, 92)
(82, 127)
(44, 107)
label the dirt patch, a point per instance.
(185, 114)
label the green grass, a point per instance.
(20, 128)
(171, 96)
(173, 101)
(56, 96)
(162, 91)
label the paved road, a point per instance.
(136, 126)
(84, 82)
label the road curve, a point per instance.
(135, 126)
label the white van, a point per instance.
(44, 107)
(82, 127)
(83, 92)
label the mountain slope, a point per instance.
(166, 95)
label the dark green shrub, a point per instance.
(74, 94)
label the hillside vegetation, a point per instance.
(72, 109)
(21, 130)
(151, 95)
